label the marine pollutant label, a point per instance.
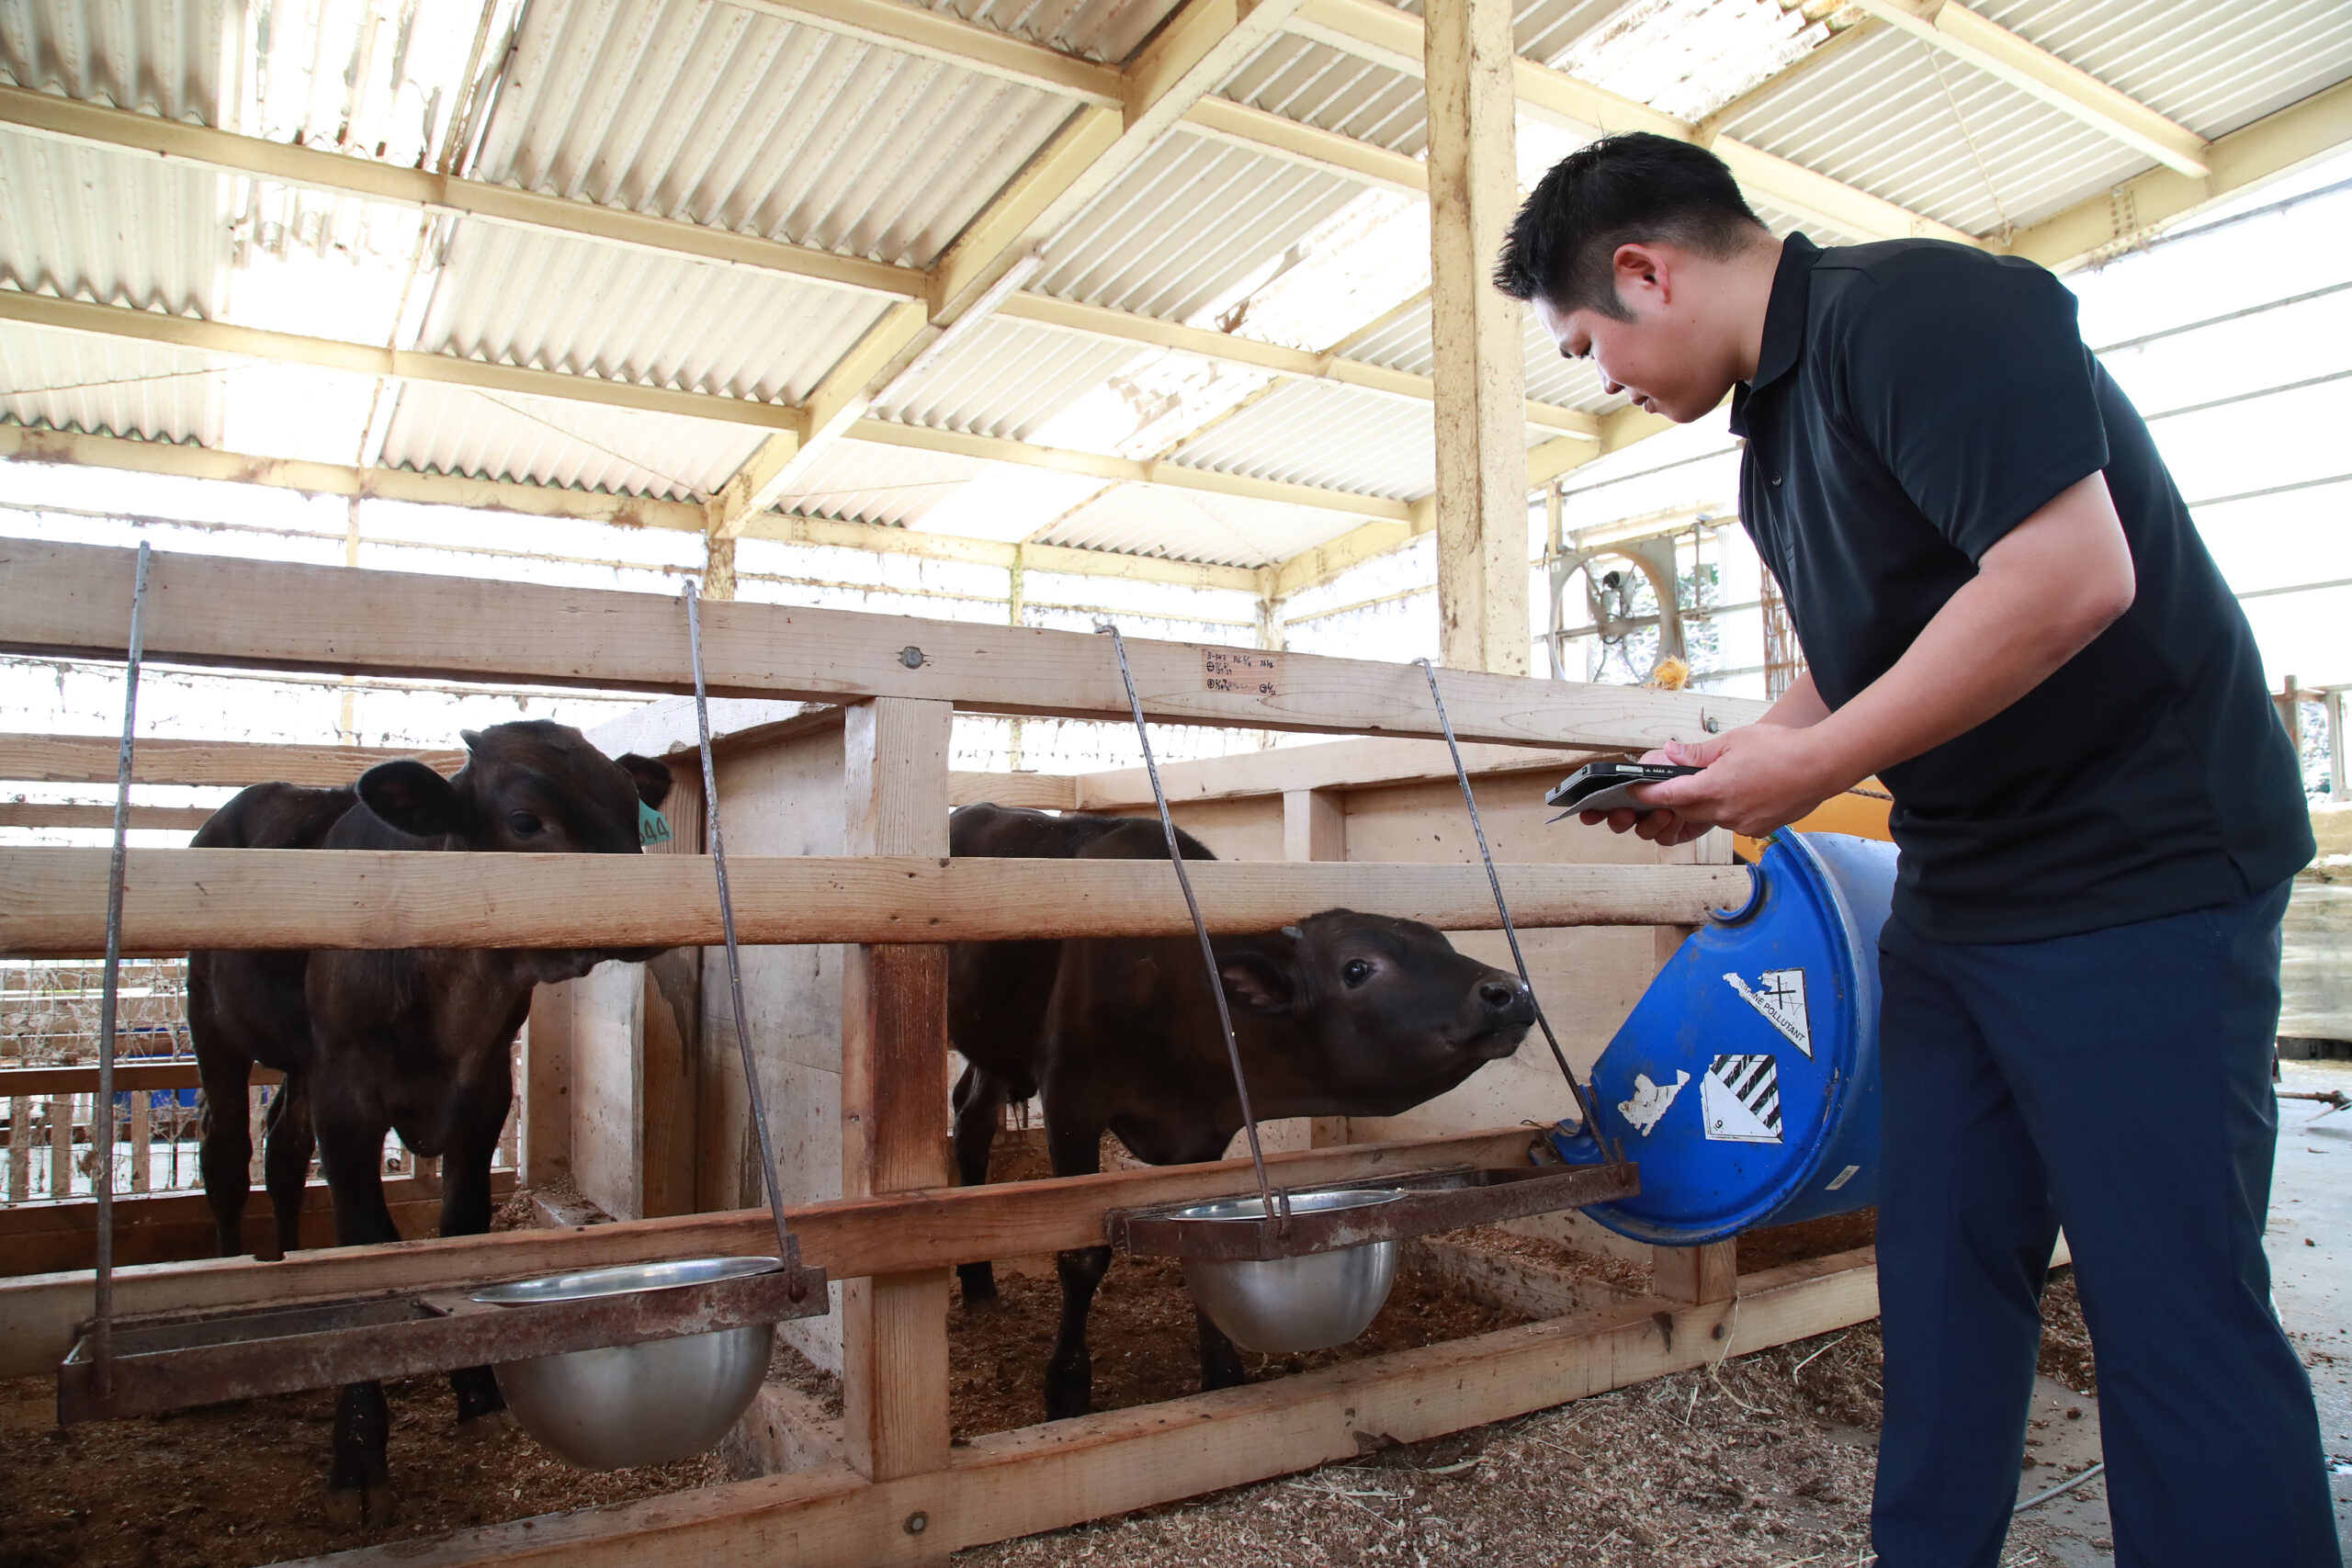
(1740, 1100)
(1779, 995)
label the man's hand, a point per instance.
(1758, 778)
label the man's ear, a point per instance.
(1638, 269)
(652, 779)
(412, 797)
(1259, 981)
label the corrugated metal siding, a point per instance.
(1302, 80)
(717, 114)
(1689, 58)
(1008, 377)
(1191, 221)
(1404, 344)
(1097, 29)
(866, 483)
(110, 386)
(1149, 520)
(500, 436)
(566, 304)
(162, 57)
(80, 222)
(1314, 433)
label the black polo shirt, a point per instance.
(1914, 401)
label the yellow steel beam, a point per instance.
(1991, 48)
(369, 359)
(2130, 213)
(18, 444)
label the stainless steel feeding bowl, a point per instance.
(643, 1403)
(1310, 1302)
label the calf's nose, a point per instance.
(1498, 995)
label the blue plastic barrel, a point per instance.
(1745, 1083)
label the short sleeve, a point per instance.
(1968, 376)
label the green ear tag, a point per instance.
(652, 828)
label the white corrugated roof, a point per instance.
(740, 118)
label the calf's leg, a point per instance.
(1069, 1373)
(465, 1211)
(979, 1107)
(225, 1143)
(351, 1150)
(287, 1145)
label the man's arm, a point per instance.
(2041, 593)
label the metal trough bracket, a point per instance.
(166, 1362)
(1478, 1197)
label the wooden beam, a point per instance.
(848, 1238)
(894, 1095)
(1228, 348)
(92, 758)
(835, 405)
(1124, 470)
(1956, 30)
(1480, 370)
(1015, 1483)
(1199, 46)
(2135, 211)
(1389, 36)
(157, 818)
(172, 1227)
(75, 599)
(1044, 792)
(1335, 765)
(947, 38)
(371, 359)
(1309, 146)
(53, 900)
(129, 1076)
(21, 445)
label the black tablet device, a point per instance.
(1603, 787)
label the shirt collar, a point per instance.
(1784, 322)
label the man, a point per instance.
(2008, 617)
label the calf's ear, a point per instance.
(1258, 982)
(412, 797)
(652, 778)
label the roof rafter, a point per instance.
(371, 359)
(1964, 35)
(1128, 471)
(2108, 224)
(22, 445)
(1385, 35)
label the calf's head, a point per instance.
(1383, 1013)
(531, 788)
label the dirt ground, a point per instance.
(1763, 1458)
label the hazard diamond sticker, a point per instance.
(1779, 995)
(1740, 1100)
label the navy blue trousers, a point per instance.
(2117, 1082)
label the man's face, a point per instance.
(1662, 357)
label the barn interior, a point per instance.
(433, 345)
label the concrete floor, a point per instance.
(2309, 1243)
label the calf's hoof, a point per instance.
(352, 1506)
(489, 1426)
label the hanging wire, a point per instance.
(734, 956)
(1462, 776)
(1266, 1195)
(102, 1114)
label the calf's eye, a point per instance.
(1356, 970)
(523, 822)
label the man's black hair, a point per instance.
(1631, 190)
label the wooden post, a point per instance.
(671, 1041)
(1709, 1273)
(894, 1112)
(1480, 376)
(1314, 826)
(143, 1130)
(2339, 777)
(21, 1150)
(546, 1087)
(61, 1146)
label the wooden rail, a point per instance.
(851, 1238)
(53, 900)
(90, 759)
(75, 599)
